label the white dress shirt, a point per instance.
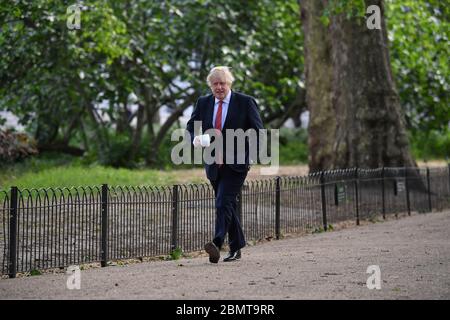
(225, 104)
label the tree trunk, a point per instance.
(149, 109)
(318, 71)
(74, 124)
(122, 121)
(137, 135)
(294, 110)
(370, 130)
(365, 127)
(62, 147)
(152, 157)
(98, 127)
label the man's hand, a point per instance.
(196, 141)
(203, 140)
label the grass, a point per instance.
(35, 272)
(175, 254)
(321, 229)
(62, 171)
(58, 170)
(84, 176)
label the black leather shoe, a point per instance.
(233, 255)
(213, 251)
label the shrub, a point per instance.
(293, 146)
(431, 145)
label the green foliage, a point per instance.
(418, 34)
(176, 253)
(318, 230)
(270, 64)
(55, 79)
(48, 71)
(418, 37)
(350, 8)
(116, 155)
(65, 172)
(35, 272)
(293, 146)
(321, 229)
(428, 145)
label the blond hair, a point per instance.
(222, 72)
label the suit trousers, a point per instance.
(226, 189)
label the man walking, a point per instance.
(221, 110)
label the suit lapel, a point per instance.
(209, 112)
(230, 112)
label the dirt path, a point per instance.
(413, 254)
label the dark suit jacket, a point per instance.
(242, 114)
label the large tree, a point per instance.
(318, 73)
(356, 117)
(77, 90)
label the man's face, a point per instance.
(220, 87)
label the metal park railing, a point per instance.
(58, 227)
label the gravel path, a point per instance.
(413, 254)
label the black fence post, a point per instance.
(104, 250)
(356, 182)
(174, 241)
(408, 203)
(277, 208)
(13, 233)
(429, 189)
(324, 201)
(383, 201)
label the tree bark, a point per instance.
(356, 117)
(294, 110)
(176, 114)
(370, 130)
(318, 71)
(61, 146)
(137, 135)
(74, 123)
(98, 126)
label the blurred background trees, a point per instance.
(111, 92)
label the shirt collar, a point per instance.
(226, 100)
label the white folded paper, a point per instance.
(202, 140)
